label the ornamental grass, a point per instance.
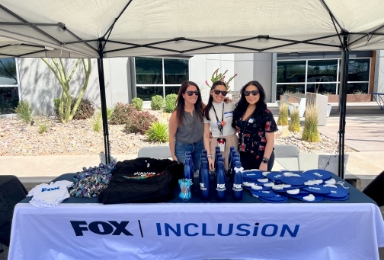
(283, 114)
(294, 124)
(310, 131)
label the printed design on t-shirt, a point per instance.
(143, 175)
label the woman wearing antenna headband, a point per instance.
(218, 120)
(186, 124)
(256, 126)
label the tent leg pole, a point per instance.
(343, 103)
(100, 67)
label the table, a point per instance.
(352, 229)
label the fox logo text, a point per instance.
(101, 228)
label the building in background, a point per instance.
(143, 77)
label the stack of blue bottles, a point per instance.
(220, 181)
(237, 189)
(204, 180)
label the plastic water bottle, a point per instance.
(220, 181)
(204, 181)
(188, 173)
(237, 189)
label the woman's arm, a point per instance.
(268, 149)
(207, 144)
(172, 128)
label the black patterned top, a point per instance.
(252, 133)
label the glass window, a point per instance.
(293, 88)
(322, 71)
(171, 90)
(358, 70)
(353, 88)
(176, 71)
(290, 71)
(9, 98)
(149, 70)
(146, 93)
(8, 75)
(159, 76)
(328, 88)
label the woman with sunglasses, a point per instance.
(186, 124)
(218, 116)
(255, 126)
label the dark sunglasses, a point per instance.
(190, 93)
(253, 92)
(223, 92)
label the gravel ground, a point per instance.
(78, 138)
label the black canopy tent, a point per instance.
(45, 29)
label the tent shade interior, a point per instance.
(119, 28)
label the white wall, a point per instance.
(39, 86)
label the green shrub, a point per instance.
(157, 102)
(42, 128)
(294, 124)
(109, 113)
(170, 103)
(96, 122)
(137, 103)
(310, 131)
(283, 114)
(139, 122)
(24, 111)
(158, 132)
(85, 110)
(121, 113)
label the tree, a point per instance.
(66, 110)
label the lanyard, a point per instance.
(219, 125)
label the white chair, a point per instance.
(284, 155)
(157, 152)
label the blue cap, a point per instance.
(276, 199)
(317, 189)
(318, 174)
(338, 192)
(264, 193)
(293, 180)
(275, 176)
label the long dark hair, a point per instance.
(180, 103)
(242, 105)
(210, 100)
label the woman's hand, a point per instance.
(174, 158)
(263, 167)
(210, 162)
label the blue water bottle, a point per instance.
(230, 158)
(237, 189)
(220, 181)
(231, 149)
(204, 181)
(188, 173)
(216, 160)
(235, 157)
(203, 154)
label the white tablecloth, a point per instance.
(198, 231)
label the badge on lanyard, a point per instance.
(251, 120)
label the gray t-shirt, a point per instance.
(191, 130)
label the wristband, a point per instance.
(209, 156)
